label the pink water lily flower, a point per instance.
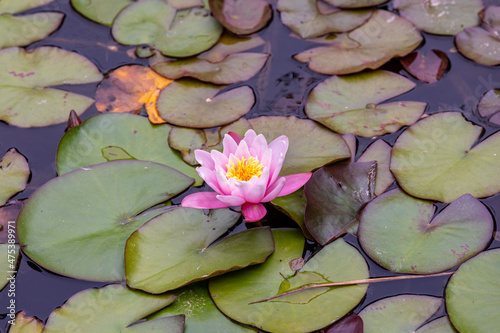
(246, 174)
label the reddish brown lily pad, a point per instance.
(429, 67)
(241, 17)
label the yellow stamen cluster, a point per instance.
(245, 169)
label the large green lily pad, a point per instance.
(396, 231)
(489, 106)
(310, 145)
(402, 313)
(445, 17)
(303, 311)
(26, 29)
(473, 296)
(14, 174)
(175, 249)
(242, 17)
(191, 103)
(25, 100)
(334, 196)
(338, 104)
(305, 18)
(384, 36)
(77, 224)
(100, 11)
(9, 261)
(111, 309)
(201, 314)
(234, 68)
(16, 6)
(433, 159)
(294, 205)
(134, 136)
(175, 33)
(440, 325)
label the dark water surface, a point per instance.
(281, 89)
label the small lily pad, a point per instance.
(26, 29)
(191, 103)
(201, 314)
(433, 159)
(472, 289)
(346, 111)
(8, 263)
(234, 68)
(440, 325)
(482, 45)
(25, 100)
(384, 36)
(429, 67)
(100, 11)
(58, 224)
(447, 17)
(175, 33)
(354, 3)
(305, 19)
(489, 106)
(396, 231)
(14, 174)
(402, 313)
(380, 152)
(25, 324)
(334, 196)
(113, 309)
(242, 17)
(338, 261)
(134, 136)
(175, 249)
(311, 145)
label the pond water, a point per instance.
(281, 89)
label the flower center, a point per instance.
(244, 169)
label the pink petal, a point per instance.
(204, 158)
(253, 211)
(258, 147)
(203, 200)
(294, 182)
(231, 200)
(249, 137)
(236, 137)
(242, 150)
(219, 159)
(254, 189)
(279, 147)
(273, 191)
(210, 178)
(229, 144)
(223, 183)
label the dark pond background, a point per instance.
(281, 89)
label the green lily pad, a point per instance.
(355, 3)
(26, 29)
(440, 325)
(347, 111)
(14, 174)
(175, 33)
(229, 44)
(175, 249)
(482, 45)
(77, 224)
(429, 67)
(24, 75)
(234, 68)
(383, 37)
(396, 231)
(134, 136)
(242, 17)
(473, 296)
(402, 313)
(16, 6)
(9, 262)
(100, 11)
(299, 312)
(25, 324)
(294, 205)
(191, 103)
(334, 196)
(380, 152)
(433, 159)
(184, 4)
(310, 145)
(187, 140)
(489, 106)
(305, 18)
(110, 309)
(350, 140)
(201, 314)
(447, 17)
